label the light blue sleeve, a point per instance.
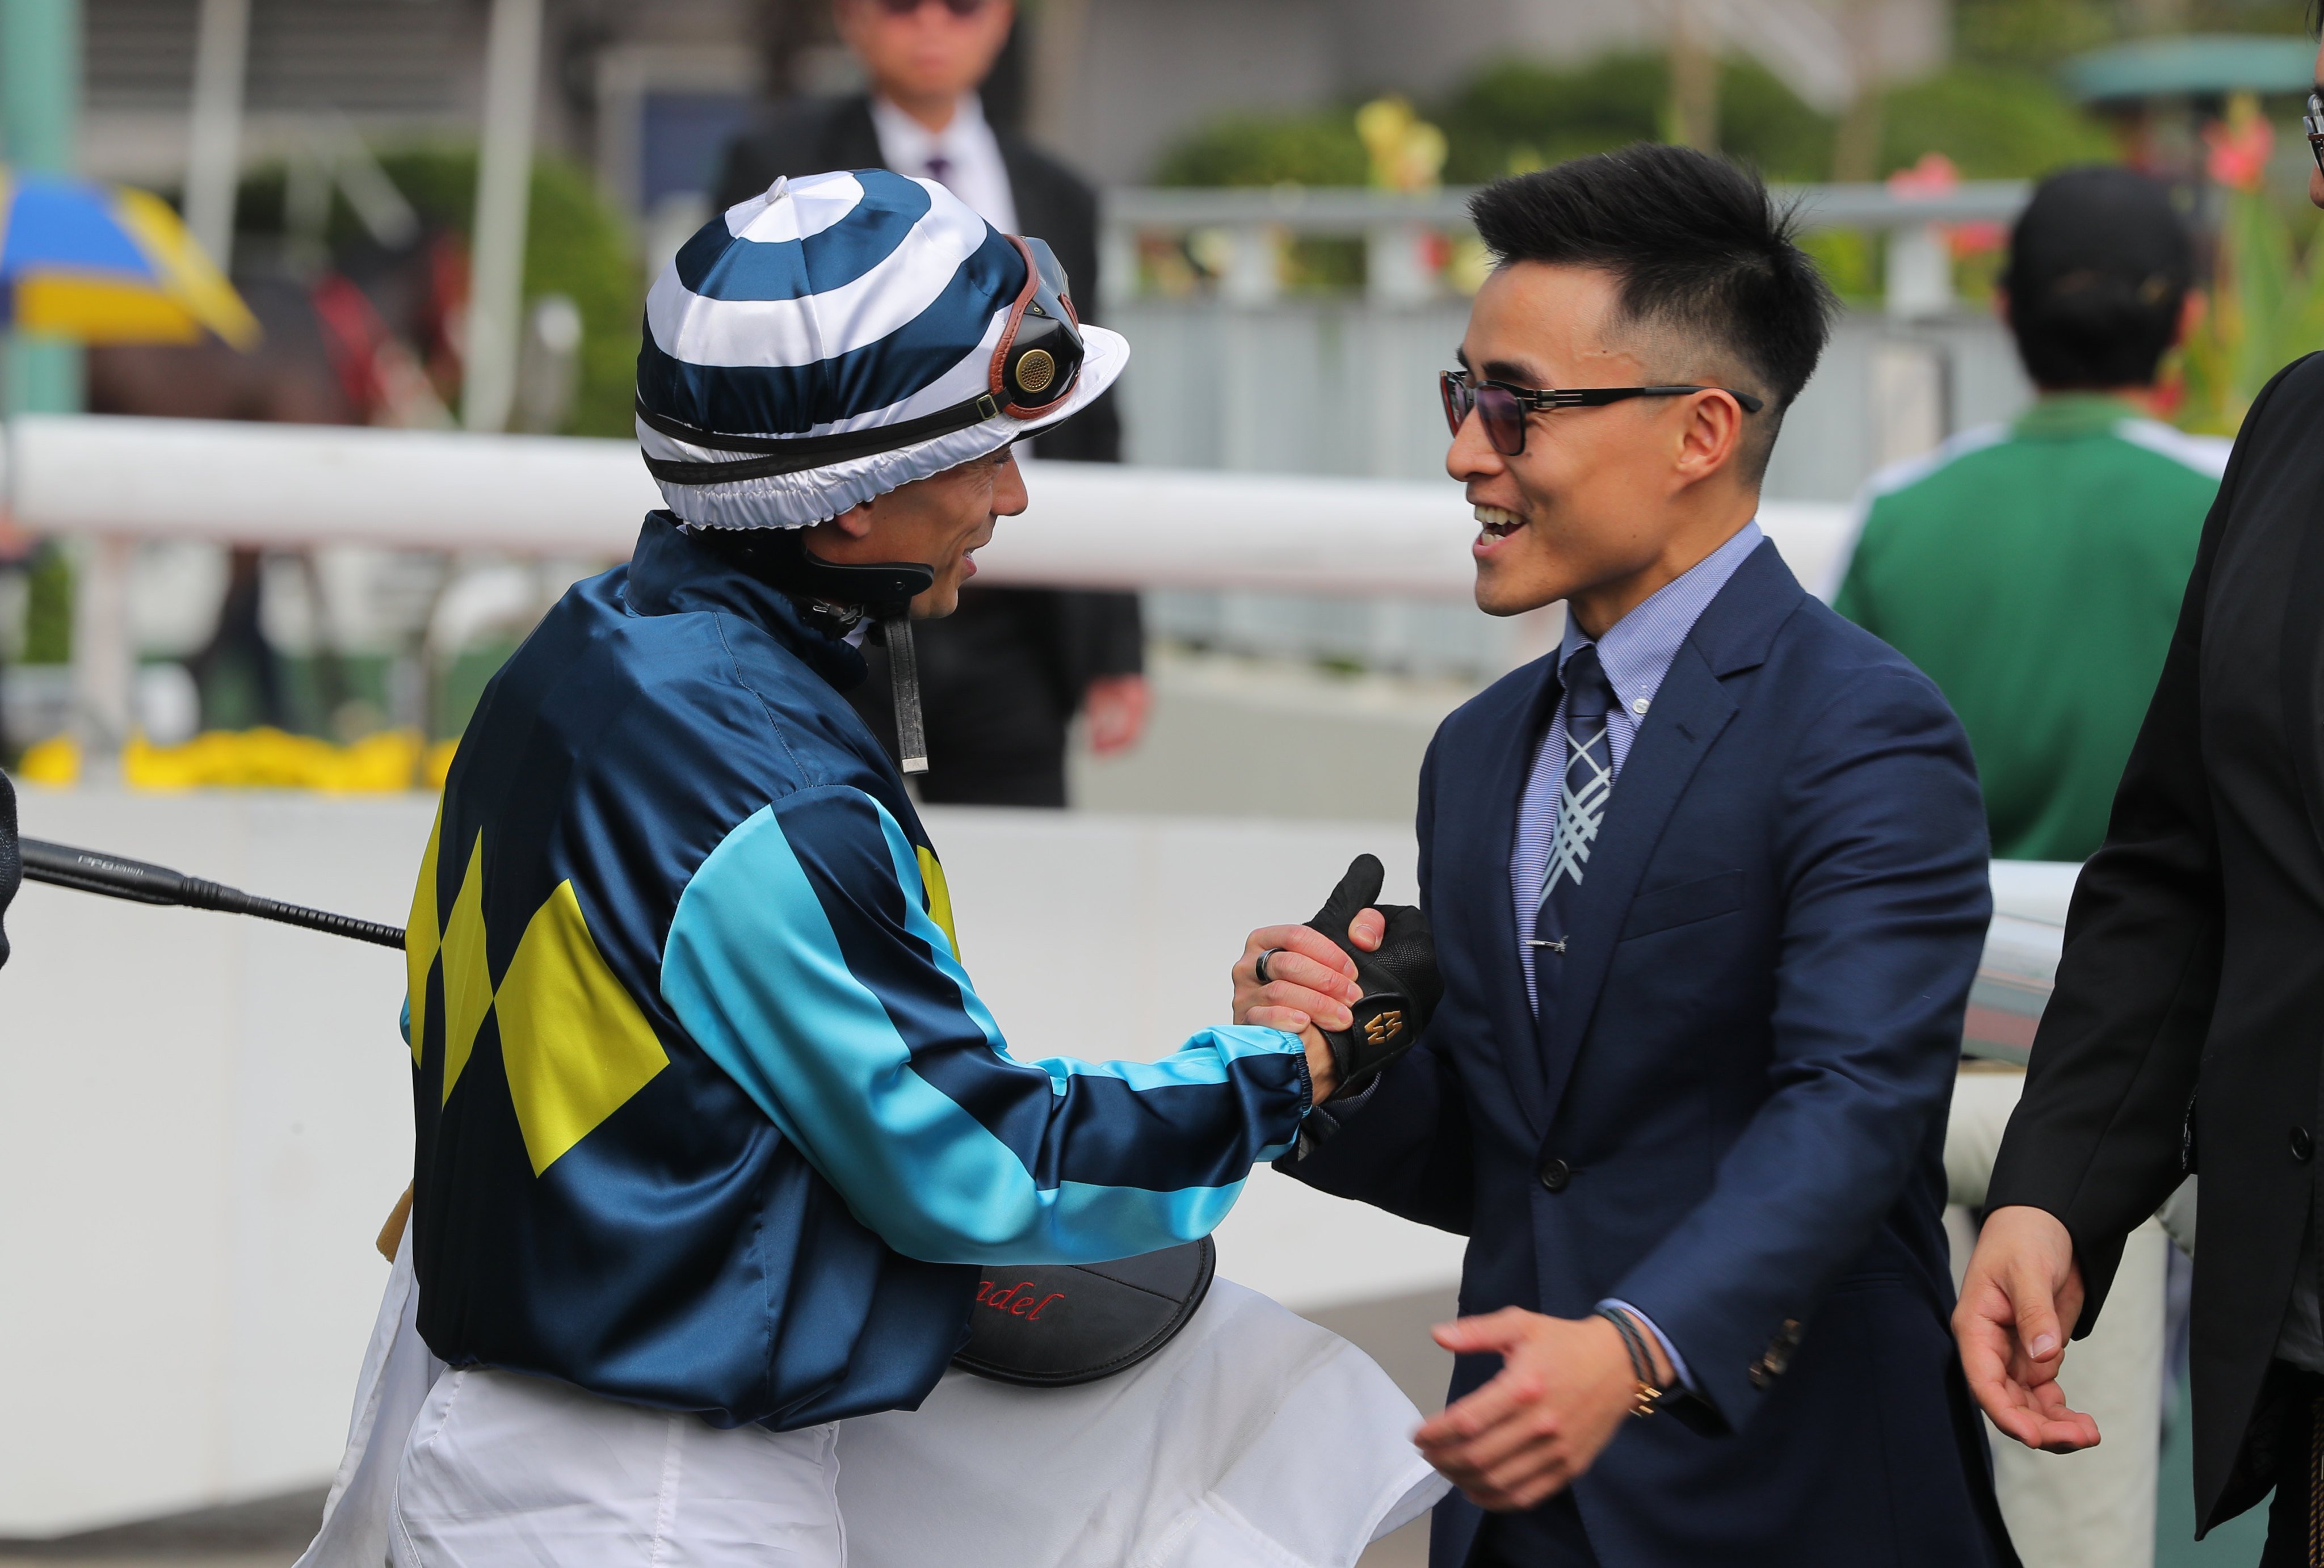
(804, 962)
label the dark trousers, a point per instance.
(1548, 1537)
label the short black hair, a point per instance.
(1695, 243)
(2099, 266)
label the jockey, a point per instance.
(712, 1121)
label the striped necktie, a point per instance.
(1581, 793)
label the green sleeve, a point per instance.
(1854, 599)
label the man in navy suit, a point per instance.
(1708, 885)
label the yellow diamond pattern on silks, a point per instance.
(467, 973)
(422, 938)
(573, 1043)
(939, 891)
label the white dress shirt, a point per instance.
(965, 156)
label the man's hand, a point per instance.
(1564, 1389)
(1116, 706)
(1309, 980)
(2018, 1301)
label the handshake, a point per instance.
(1358, 982)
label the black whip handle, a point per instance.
(63, 866)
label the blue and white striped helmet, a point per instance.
(840, 337)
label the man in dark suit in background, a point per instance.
(2184, 1032)
(1709, 887)
(1003, 677)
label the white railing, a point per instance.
(111, 481)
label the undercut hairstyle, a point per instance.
(1698, 250)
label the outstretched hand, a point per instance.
(1563, 1390)
(1309, 982)
(2019, 1301)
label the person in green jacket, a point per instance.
(2034, 570)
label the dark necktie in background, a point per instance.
(940, 170)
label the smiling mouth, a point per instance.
(1494, 523)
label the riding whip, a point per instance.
(63, 866)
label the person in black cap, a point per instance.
(2183, 1035)
(2033, 569)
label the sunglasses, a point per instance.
(957, 7)
(2312, 122)
(1503, 406)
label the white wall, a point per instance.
(203, 1119)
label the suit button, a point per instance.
(1556, 1173)
(2303, 1144)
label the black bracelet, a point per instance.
(1642, 1364)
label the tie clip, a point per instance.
(1557, 946)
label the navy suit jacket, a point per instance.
(1734, 1117)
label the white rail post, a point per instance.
(504, 196)
(1254, 274)
(1396, 264)
(1920, 272)
(104, 654)
(214, 137)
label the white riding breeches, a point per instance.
(503, 1470)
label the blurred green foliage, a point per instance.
(1993, 123)
(47, 608)
(2265, 308)
(1515, 116)
(576, 245)
(2037, 34)
(1318, 148)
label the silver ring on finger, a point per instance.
(1259, 968)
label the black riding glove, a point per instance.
(1400, 983)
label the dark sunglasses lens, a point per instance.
(1504, 418)
(1456, 401)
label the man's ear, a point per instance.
(855, 522)
(1711, 438)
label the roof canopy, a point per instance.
(2190, 67)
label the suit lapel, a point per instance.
(850, 140)
(1513, 1018)
(1027, 189)
(2302, 651)
(1690, 709)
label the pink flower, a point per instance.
(2240, 150)
(1933, 175)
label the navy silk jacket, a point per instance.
(710, 1116)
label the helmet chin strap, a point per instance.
(904, 681)
(839, 594)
